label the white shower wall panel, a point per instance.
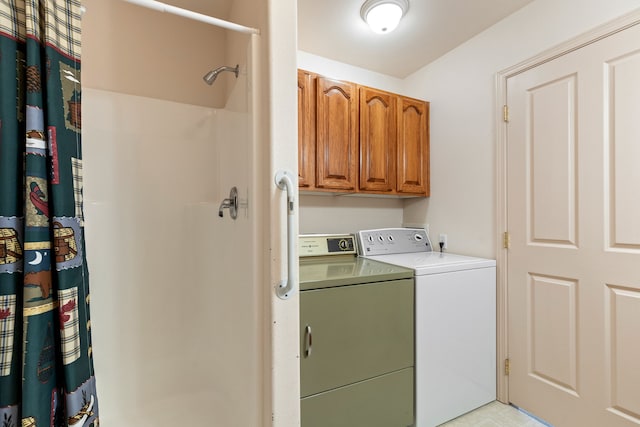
(169, 289)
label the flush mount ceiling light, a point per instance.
(383, 16)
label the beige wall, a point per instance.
(137, 51)
(461, 88)
(338, 70)
(347, 214)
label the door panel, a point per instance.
(623, 174)
(337, 134)
(572, 211)
(623, 376)
(377, 140)
(553, 331)
(551, 145)
(413, 146)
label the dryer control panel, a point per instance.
(387, 241)
(310, 245)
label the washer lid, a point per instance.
(435, 262)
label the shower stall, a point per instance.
(187, 326)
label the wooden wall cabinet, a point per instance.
(413, 147)
(354, 138)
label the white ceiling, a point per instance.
(333, 29)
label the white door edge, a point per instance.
(282, 373)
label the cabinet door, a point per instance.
(336, 135)
(358, 332)
(306, 129)
(413, 146)
(378, 136)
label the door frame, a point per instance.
(619, 24)
(278, 152)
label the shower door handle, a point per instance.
(286, 287)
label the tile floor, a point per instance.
(494, 414)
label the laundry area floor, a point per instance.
(495, 414)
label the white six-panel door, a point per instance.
(573, 213)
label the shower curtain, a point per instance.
(46, 365)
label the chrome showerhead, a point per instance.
(212, 75)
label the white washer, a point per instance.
(455, 316)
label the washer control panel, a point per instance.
(386, 241)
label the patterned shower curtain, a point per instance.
(46, 365)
